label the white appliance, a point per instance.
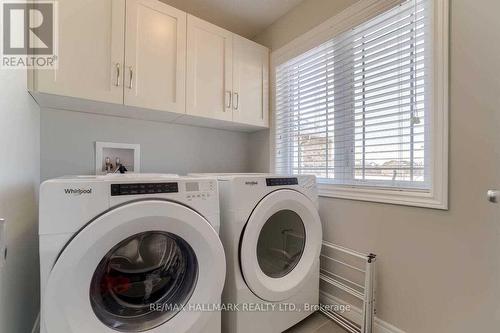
(131, 253)
(272, 234)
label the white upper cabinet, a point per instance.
(90, 53)
(250, 82)
(209, 70)
(227, 75)
(155, 56)
(144, 59)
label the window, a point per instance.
(358, 110)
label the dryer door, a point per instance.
(281, 244)
(133, 269)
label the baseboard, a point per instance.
(355, 314)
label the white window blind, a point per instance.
(352, 111)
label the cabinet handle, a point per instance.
(228, 99)
(131, 71)
(3, 245)
(117, 83)
(236, 101)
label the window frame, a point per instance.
(362, 11)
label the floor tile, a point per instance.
(316, 323)
(330, 327)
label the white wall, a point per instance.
(67, 144)
(439, 271)
(19, 179)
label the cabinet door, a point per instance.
(90, 56)
(209, 70)
(155, 56)
(250, 83)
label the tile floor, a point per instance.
(316, 323)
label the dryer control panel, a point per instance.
(282, 181)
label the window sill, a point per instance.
(381, 195)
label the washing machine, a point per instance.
(272, 235)
(138, 253)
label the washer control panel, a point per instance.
(143, 188)
(282, 181)
(200, 190)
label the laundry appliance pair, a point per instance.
(142, 253)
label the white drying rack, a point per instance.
(365, 293)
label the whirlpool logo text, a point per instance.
(78, 191)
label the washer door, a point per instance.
(134, 269)
(280, 245)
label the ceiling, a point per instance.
(244, 17)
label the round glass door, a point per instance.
(133, 268)
(281, 243)
(143, 281)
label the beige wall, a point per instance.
(438, 271)
(302, 18)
